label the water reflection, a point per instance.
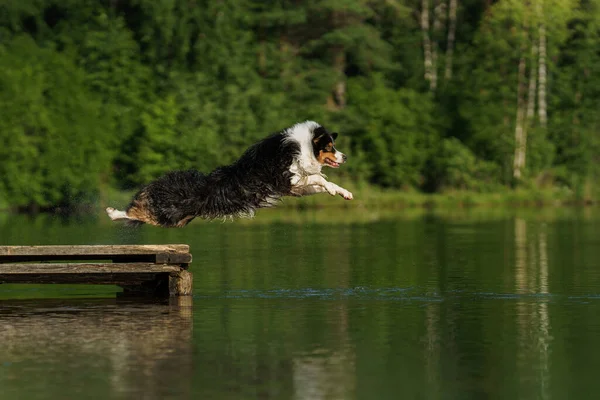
(438, 307)
(432, 345)
(127, 350)
(533, 319)
(327, 373)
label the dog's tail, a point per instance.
(117, 215)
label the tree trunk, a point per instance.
(521, 144)
(519, 158)
(541, 64)
(262, 59)
(542, 74)
(451, 37)
(437, 26)
(428, 64)
(339, 19)
(532, 83)
(339, 65)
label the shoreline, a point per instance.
(368, 197)
(394, 199)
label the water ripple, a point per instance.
(402, 294)
(360, 292)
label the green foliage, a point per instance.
(51, 131)
(111, 94)
(395, 131)
(575, 125)
(508, 36)
(454, 166)
(109, 54)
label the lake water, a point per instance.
(351, 304)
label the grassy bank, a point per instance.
(370, 196)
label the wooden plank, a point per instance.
(148, 280)
(173, 258)
(94, 250)
(161, 258)
(159, 254)
(78, 268)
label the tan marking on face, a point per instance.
(327, 153)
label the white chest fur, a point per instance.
(301, 170)
(305, 163)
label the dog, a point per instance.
(287, 163)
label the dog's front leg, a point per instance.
(330, 187)
(308, 190)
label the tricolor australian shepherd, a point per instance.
(287, 163)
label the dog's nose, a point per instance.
(344, 157)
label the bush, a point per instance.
(455, 166)
(51, 132)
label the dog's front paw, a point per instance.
(346, 194)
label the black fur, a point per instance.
(260, 177)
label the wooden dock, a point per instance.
(156, 270)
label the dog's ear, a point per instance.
(318, 133)
(334, 135)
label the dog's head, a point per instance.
(324, 149)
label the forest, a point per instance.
(432, 96)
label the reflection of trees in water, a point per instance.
(531, 258)
(533, 319)
(432, 345)
(330, 373)
(142, 350)
(327, 373)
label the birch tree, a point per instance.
(451, 37)
(438, 24)
(427, 51)
(522, 123)
(520, 129)
(542, 65)
(442, 26)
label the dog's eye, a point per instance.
(329, 148)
